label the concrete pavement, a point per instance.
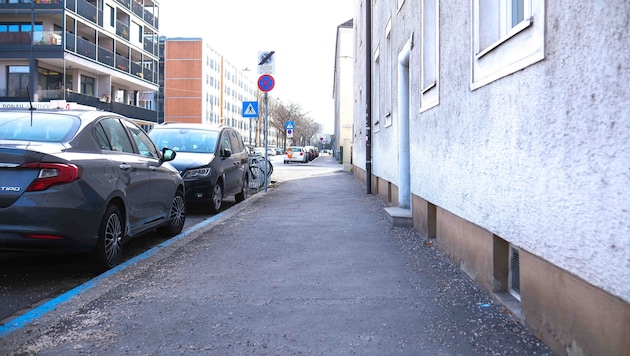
(310, 267)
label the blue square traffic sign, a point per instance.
(250, 109)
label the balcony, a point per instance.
(27, 39)
(28, 4)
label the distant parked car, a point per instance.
(295, 154)
(212, 160)
(259, 151)
(310, 150)
(278, 151)
(84, 182)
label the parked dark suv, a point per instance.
(211, 159)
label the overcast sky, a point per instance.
(302, 34)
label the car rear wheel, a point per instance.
(244, 192)
(108, 250)
(216, 199)
(177, 216)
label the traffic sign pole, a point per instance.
(266, 134)
(266, 83)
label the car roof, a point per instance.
(186, 125)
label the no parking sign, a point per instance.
(266, 82)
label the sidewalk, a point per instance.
(310, 267)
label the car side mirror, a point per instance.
(225, 153)
(168, 154)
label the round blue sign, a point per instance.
(266, 82)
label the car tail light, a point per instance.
(44, 237)
(51, 174)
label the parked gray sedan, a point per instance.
(83, 181)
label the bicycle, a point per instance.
(257, 170)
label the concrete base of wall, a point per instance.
(399, 216)
(568, 314)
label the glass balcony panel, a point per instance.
(71, 5)
(122, 30)
(136, 69)
(137, 8)
(148, 17)
(122, 63)
(125, 3)
(106, 57)
(47, 38)
(86, 10)
(70, 42)
(86, 48)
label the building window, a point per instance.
(111, 15)
(376, 110)
(17, 81)
(430, 55)
(387, 67)
(515, 273)
(87, 85)
(497, 51)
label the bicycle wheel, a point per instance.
(269, 168)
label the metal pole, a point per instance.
(368, 104)
(266, 134)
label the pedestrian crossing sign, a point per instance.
(289, 125)
(250, 109)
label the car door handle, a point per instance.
(125, 166)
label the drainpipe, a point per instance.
(368, 96)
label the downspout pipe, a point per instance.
(368, 96)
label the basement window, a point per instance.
(515, 274)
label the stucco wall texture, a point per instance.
(540, 157)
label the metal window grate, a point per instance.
(515, 273)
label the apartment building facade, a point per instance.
(98, 53)
(343, 92)
(201, 86)
(502, 128)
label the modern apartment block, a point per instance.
(500, 130)
(97, 53)
(201, 86)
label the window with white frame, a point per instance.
(387, 80)
(508, 35)
(136, 32)
(430, 40)
(110, 15)
(376, 85)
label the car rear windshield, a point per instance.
(41, 127)
(185, 140)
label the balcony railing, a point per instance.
(86, 10)
(125, 3)
(122, 63)
(37, 38)
(26, 4)
(122, 30)
(86, 48)
(106, 57)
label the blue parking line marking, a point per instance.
(32, 315)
